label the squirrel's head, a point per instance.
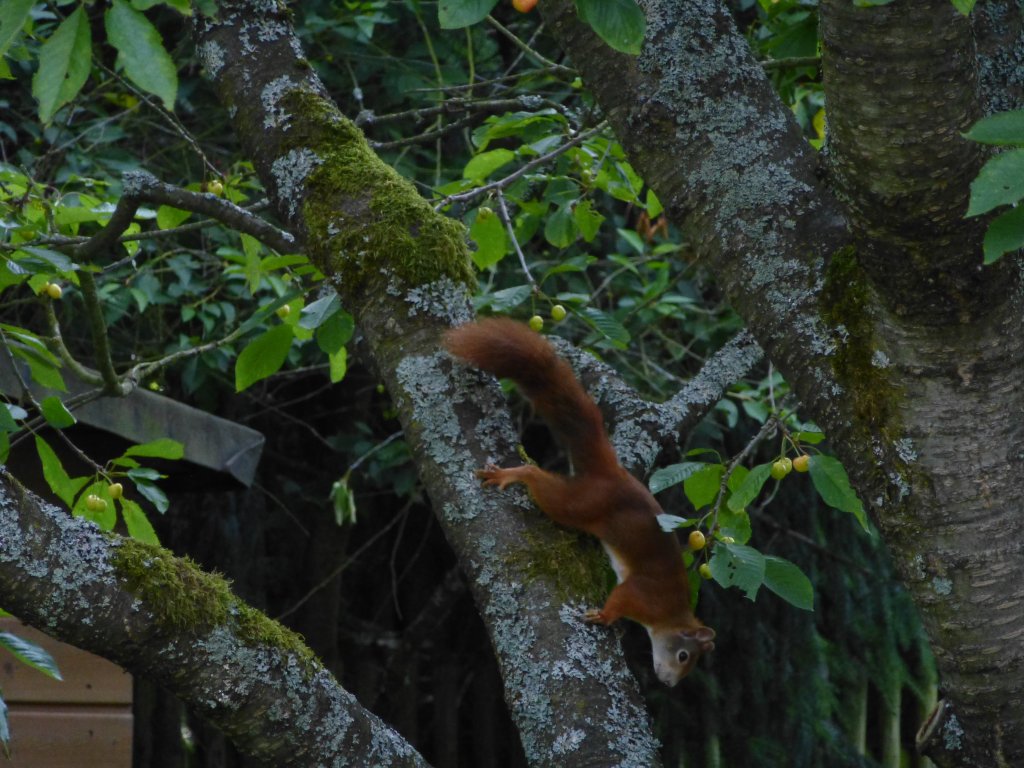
(677, 650)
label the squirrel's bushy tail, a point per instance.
(509, 349)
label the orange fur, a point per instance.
(601, 498)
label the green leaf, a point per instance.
(736, 479)
(168, 217)
(1001, 128)
(163, 448)
(654, 206)
(488, 233)
(184, 7)
(64, 487)
(335, 333)
(64, 63)
(673, 474)
(137, 523)
(55, 413)
(632, 239)
(702, 486)
(42, 364)
(607, 326)
(338, 365)
(516, 124)
(144, 473)
(560, 227)
(151, 492)
(1000, 182)
(670, 523)
(13, 15)
(788, 582)
(740, 566)
(30, 654)
(809, 437)
(620, 23)
(1004, 235)
(705, 452)
(55, 259)
(830, 480)
(141, 51)
(317, 313)
(750, 487)
(455, 14)
(486, 163)
(587, 219)
(5, 445)
(735, 524)
(507, 298)
(344, 501)
(964, 6)
(263, 356)
(9, 414)
(262, 315)
(253, 264)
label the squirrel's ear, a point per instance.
(704, 636)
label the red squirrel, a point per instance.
(601, 498)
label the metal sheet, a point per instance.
(210, 441)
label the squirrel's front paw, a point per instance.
(489, 474)
(594, 616)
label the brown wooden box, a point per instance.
(84, 720)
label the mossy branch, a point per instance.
(163, 618)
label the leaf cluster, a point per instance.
(1000, 183)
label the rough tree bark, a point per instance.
(402, 269)
(161, 617)
(864, 286)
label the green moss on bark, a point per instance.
(181, 594)
(576, 568)
(184, 597)
(365, 222)
(858, 361)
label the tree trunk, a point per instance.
(402, 269)
(871, 301)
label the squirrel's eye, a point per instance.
(682, 657)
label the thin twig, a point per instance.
(472, 194)
(98, 329)
(55, 342)
(792, 62)
(769, 426)
(345, 563)
(541, 59)
(507, 220)
(170, 117)
(493, 81)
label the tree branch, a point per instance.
(162, 618)
(402, 269)
(640, 428)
